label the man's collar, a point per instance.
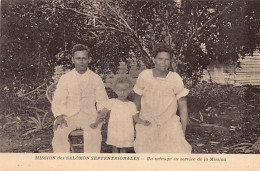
(86, 73)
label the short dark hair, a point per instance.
(161, 47)
(79, 47)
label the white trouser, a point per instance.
(92, 137)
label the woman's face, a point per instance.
(162, 61)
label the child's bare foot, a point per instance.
(93, 125)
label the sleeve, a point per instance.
(179, 89)
(108, 105)
(139, 85)
(59, 101)
(101, 94)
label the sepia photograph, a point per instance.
(160, 81)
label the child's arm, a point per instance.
(100, 117)
(182, 104)
(140, 121)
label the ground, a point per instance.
(223, 119)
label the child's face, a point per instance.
(122, 90)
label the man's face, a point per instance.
(81, 61)
(162, 61)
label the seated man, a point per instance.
(74, 102)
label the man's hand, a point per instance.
(60, 120)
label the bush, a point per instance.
(206, 98)
(204, 94)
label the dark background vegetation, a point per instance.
(36, 36)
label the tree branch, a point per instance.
(119, 16)
(103, 26)
(195, 33)
(73, 10)
(26, 94)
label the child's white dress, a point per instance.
(159, 106)
(120, 132)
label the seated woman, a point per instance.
(162, 92)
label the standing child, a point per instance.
(123, 112)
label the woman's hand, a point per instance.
(60, 120)
(146, 123)
(94, 125)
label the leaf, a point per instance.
(43, 119)
(208, 109)
(200, 145)
(201, 117)
(29, 132)
(249, 150)
(30, 121)
(34, 120)
(195, 119)
(225, 148)
(240, 148)
(241, 144)
(214, 142)
(39, 119)
(213, 125)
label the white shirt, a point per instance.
(159, 95)
(79, 93)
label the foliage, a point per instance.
(234, 130)
(39, 123)
(224, 122)
(199, 32)
(38, 35)
(220, 96)
(25, 61)
(206, 95)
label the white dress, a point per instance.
(159, 106)
(120, 126)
